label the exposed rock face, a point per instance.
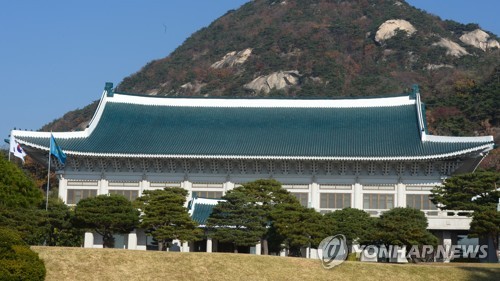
(479, 39)
(192, 87)
(437, 66)
(277, 80)
(389, 28)
(452, 48)
(233, 58)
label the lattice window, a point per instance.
(158, 165)
(314, 167)
(200, 165)
(103, 164)
(414, 168)
(117, 165)
(285, 167)
(300, 167)
(214, 166)
(386, 168)
(257, 167)
(378, 201)
(228, 166)
(429, 168)
(89, 165)
(447, 168)
(129, 194)
(130, 165)
(271, 167)
(328, 167)
(303, 198)
(75, 164)
(171, 165)
(371, 168)
(243, 166)
(420, 202)
(400, 168)
(334, 200)
(144, 164)
(186, 166)
(207, 194)
(75, 195)
(357, 168)
(342, 167)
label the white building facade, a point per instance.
(372, 154)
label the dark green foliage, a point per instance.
(486, 224)
(16, 188)
(107, 215)
(298, 226)
(237, 220)
(479, 192)
(73, 120)
(17, 261)
(404, 227)
(60, 225)
(472, 191)
(355, 224)
(248, 212)
(31, 223)
(165, 217)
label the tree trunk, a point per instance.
(235, 248)
(265, 247)
(108, 241)
(160, 245)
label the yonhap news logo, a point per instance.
(333, 251)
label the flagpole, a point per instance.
(48, 175)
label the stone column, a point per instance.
(88, 240)
(227, 186)
(144, 185)
(314, 196)
(185, 247)
(358, 196)
(103, 187)
(132, 240)
(258, 249)
(209, 244)
(400, 200)
(63, 189)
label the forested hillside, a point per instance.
(321, 48)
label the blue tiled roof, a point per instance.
(371, 132)
(201, 213)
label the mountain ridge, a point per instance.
(310, 48)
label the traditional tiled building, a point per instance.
(368, 153)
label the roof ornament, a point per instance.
(414, 91)
(415, 94)
(108, 88)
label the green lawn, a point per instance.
(115, 264)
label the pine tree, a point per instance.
(107, 215)
(299, 226)
(165, 217)
(237, 220)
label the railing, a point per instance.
(428, 213)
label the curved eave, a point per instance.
(478, 149)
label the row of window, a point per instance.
(327, 200)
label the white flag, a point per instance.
(16, 148)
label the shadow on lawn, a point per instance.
(483, 273)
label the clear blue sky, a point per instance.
(55, 56)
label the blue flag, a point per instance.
(56, 150)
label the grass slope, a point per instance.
(113, 264)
